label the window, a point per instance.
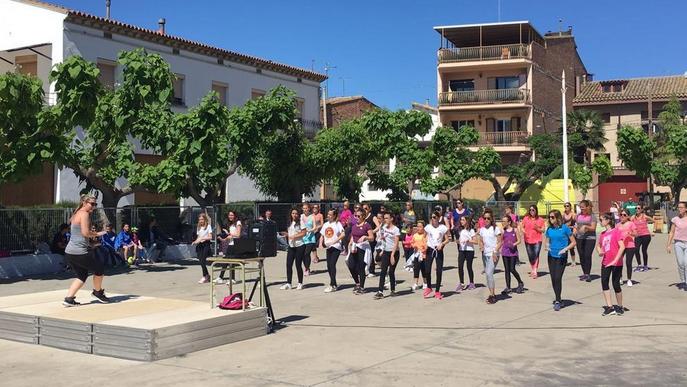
(255, 94)
(460, 123)
(107, 73)
(178, 90)
(606, 117)
(606, 88)
(507, 82)
(27, 64)
(503, 125)
(615, 87)
(300, 103)
(221, 90)
(462, 85)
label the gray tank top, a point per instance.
(78, 245)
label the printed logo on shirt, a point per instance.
(329, 232)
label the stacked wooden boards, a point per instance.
(131, 327)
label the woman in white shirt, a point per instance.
(389, 236)
(467, 237)
(296, 250)
(331, 234)
(231, 231)
(437, 238)
(487, 242)
(202, 243)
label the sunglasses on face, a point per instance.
(533, 210)
(552, 217)
(567, 205)
(623, 215)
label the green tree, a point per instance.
(100, 122)
(24, 144)
(585, 133)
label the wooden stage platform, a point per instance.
(130, 327)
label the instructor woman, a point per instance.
(79, 256)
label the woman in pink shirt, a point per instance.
(678, 236)
(611, 248)
(629, 231)
(532, 226)
(643, 238)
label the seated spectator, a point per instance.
(125, 244)
(60, 240)
(107, 248)
(140, 251)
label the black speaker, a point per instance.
(265, 232)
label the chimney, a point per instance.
(107, 9)
(161, 26)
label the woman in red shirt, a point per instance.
(532, 226)
(611, 248)
(643, 238)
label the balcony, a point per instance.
(508, 138)
(483, 53)
(516, 95)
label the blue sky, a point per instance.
(386, 49)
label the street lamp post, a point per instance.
(566, 195)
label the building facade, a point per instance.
(504, 79)
(634, 102)
(35, 36)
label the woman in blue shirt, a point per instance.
(559, 240)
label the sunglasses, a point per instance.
(567, 205)
(624, 215)
(533, 210)
(552, 217)
(487, 218)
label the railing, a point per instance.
(311, 127)
(484, 96)
(466, 54)
(503, 138)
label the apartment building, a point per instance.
(504, 79)
(635, 102)
(35, 36)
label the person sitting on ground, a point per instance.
(125, 244)
(60, 240)
(140, 254)
(107, 244)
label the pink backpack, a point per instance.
(233, 302)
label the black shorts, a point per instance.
(82, 264)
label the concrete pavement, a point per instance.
(344, 339)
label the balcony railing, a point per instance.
(484, 96)
(503, 138)
(467, 54)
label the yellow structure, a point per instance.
(547, 197)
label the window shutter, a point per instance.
(515, 123)
(490, 125)
(491, 83)
(523, 79)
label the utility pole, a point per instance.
(566, 195)
(343, 86)
(499, 10)
(327, 67)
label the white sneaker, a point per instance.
(285, 287)
(629, 283)
(204, 280)
(414, 287)
(330, 289)
(299, 287)
(424, 286)
(370, 275)
(386, 285)
(219, 281)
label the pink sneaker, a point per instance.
(204, 280)
(306, 273)
(438, 295)
(427, 293)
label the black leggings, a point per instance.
(642, 243)
(418, 267)
(466, 257)
(629, 256)
(611, 271)
(391, 268)
(309, 247)
(433, 254)
(356, 265)
(332, 257)
(509, 264)
(203, 252)
(556, 269)
(586, 248)
(294, 255)
(81, 264)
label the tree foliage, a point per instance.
(585, 133)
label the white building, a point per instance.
(35, 36)
(369, 192)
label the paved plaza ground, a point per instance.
(344, 339)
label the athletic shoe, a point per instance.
(557, 306)
(505, 291)
(299, 287)
(471, 286)
(629, 283)
(370, 275)
(393, 293)
(100, 295)
(414, 287)
(645, 268)
(360, 290)
(379, 296)
(306, 272)
(204, 280)
(219, 281)
(619, 310)
(328, 289)
(681, 286)
(608, 310)
(589, 278)
(387, 285)
(459, 288)
(637, 269)
(70, 301)
(285, 287)
(520, 289)
(582, 277)
(424, 286)
(316, 260)
(427, 293)
(438, 295)
(491, 300)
